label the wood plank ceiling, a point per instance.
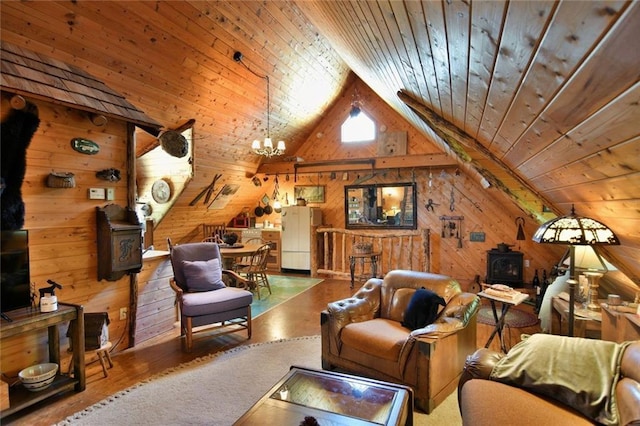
(541, 98)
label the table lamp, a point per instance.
(574, 230)
(590, 264)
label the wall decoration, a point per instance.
(174, 143)
(85, 146)
(224, 196)
(61, 180)
(17, 130)
(452, 228)
(161, 191)
(112, 175)
(392, 143)
(312, 194)
(477, 237)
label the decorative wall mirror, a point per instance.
(381, 206)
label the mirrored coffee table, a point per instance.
(331, 399)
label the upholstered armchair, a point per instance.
(553, 380)
(364, 335)
(202, 295)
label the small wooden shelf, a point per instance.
(20, 397)
(28, 320)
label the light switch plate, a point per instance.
(111, 194)
(96, 193)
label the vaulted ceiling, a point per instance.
(540, 98)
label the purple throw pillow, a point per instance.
(203, 275)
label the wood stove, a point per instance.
(504, 267)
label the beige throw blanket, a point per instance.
(581, 373)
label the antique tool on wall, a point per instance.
(208, 191)
(430, 205)
(452, 228)
(520, 222)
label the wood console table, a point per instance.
(619, 326)
(584, 326)
(27, 320)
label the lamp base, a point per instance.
(592, 298)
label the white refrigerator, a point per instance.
(296, 236)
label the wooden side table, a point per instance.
(28, 320)
(363, 257)
(584, 326)
(506, 303)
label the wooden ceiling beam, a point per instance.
(439, 160)
(484, 161)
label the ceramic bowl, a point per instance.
(38, 377)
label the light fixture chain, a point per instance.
(267, 149)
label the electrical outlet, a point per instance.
(123, 313)
(527, 263)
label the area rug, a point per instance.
(219, 388)
(283, 288)
(516, 318)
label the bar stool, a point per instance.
(103, 356)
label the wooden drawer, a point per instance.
(271, 235)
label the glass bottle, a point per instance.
(536, 286)
(536, 281)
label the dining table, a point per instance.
(231, 253)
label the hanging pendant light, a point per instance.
(266, 147)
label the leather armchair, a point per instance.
(364, 335)
(486, 397)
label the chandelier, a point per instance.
(264, 148)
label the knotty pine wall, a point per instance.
(62, 223)
(486, 210)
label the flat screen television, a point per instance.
(15, 283)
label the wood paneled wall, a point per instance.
(486, 210)
(62, 222)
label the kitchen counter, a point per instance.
(274, 228)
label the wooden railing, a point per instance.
(398, 250)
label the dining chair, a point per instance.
(214, 230)
(255, 271)
(245, 261)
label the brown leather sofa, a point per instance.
(363, 335)
(573, 386)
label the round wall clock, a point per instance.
(161, 191)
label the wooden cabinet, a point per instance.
(119, 242)
(273, 238)
(619, 326)
(28, 320)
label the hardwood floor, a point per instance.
(296, 317)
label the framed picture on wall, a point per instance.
(312, 194)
